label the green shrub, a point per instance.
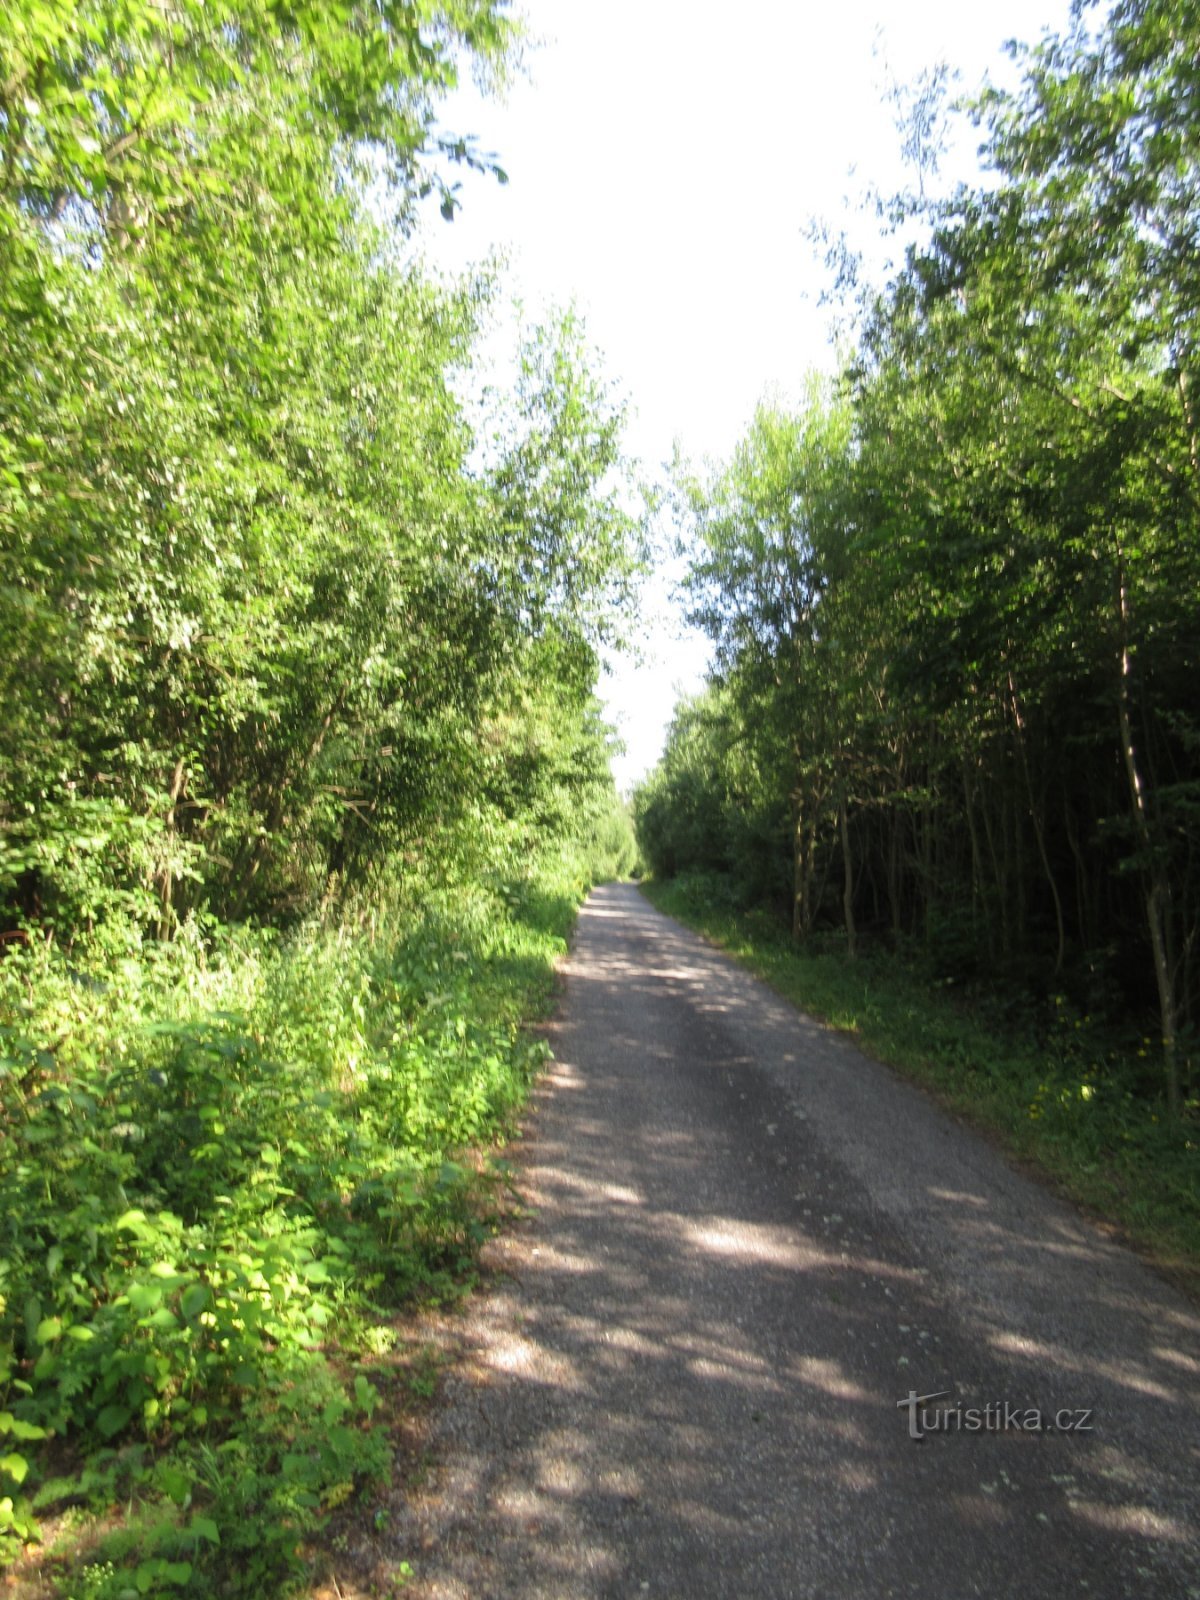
(226, 1159)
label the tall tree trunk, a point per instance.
(1021, 917)
(803, 847)
(1157, 888)
(1189, 417)
(1083, 879)
(166, 920)
(1038, 831)
(998, 879)
(847, 878)
(978, 898)
(927, 855)
(893, 876)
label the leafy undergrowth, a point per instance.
(225, 1163)
(1055, 1090)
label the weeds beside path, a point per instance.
(230, 1169)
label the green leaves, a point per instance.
(953, 600)
(285, 655)
(179, 1327)
(130, 120)
(16, 1517)
(18, 1429)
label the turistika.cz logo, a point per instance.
(925, 1416)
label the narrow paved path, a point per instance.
(748, 1243)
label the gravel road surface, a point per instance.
(747, 1245)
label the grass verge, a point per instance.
(1054, 1093)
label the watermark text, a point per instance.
(927, 1414)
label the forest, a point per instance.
(954, 601)
(302, 773)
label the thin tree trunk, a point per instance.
(799, 882)
(893, 872)
(1083, 903)
(1038, 831)
(927, 856)
(273, 820)
(978, 899)
(998, 879)
(804, 846)
(1021, 918)
(847, 879)
(1157, 890)
(1008, 876)
(1189, 417)
(166, 921)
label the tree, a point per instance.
(262, 597)
(963, 597)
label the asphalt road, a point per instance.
(748, 1244)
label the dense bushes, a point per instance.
(225, 1159)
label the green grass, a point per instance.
(229, 1166)
(1058, 1095)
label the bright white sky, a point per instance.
(663, 157)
